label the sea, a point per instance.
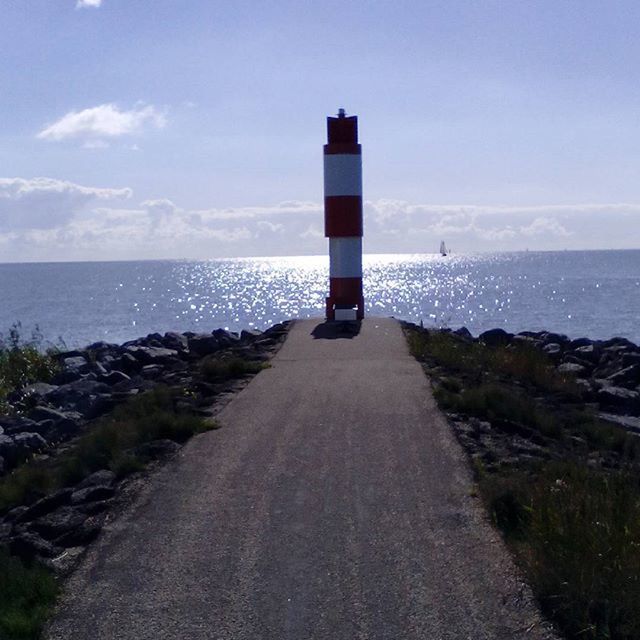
(579, 293)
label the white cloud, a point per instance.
(95, 124)
(42, 203)
(47, 219)
(80, 4)
(541, 226)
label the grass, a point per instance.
(215, 369)
(23, 362)
(573, 526)
(520, 362)
(494, 402)
(109, 444)
(27, 594)
(576, 531)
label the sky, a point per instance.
(141, 129)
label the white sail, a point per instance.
(443, 249)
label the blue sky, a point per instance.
(164, 128)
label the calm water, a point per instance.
(594, 294)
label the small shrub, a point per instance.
(23, 362)
(27, 593)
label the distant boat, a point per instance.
(443, 249)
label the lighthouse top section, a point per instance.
(342, 134)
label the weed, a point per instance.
(27, 593)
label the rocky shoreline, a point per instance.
(606, 371)
(587, 411)
(47, 418)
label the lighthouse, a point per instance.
(343, 217)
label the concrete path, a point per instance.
(334, 504)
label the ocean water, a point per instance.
(580, 293)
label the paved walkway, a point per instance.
(334, 504)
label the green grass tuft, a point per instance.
(214, 370)
(577, 533)
(23, 362)
(27, 594)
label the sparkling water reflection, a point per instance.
(579, 293)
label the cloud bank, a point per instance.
(81, 4)
(46, 219)
(97, 124)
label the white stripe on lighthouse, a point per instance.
(345, 257)
(343, 174)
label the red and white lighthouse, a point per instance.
(343, 217)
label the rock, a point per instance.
(203, 345)
(226, 338)
(69, 394)
(15, 513)
(128, 363)
(631, 423)
(93, 508)
(45, 505)
(151, 355)
(76, 363)
(28, 545)
(464, 333)
(5, 532)
(58, 523)
(64, 429)
(585, 364)
(151, 371)
(46, 413)
(580, 343)
(547, 337)
(587, 352)
(92, 494)
(94, 406)
(16, 448)
(102, 478)
(37, 390)
(618, 397)
(17, 424)
(552, 349)
(28, 443)
(80, 535)
(114, 378)
(156, 449)
(44, 428)
(249, 335)
(176, 341)
(630, 358)
(627, 377)
(66, 376)
(495, 337)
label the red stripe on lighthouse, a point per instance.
(350, 148)
(342, 216)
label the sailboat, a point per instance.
(443, 249)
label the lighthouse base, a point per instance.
(344, 312)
